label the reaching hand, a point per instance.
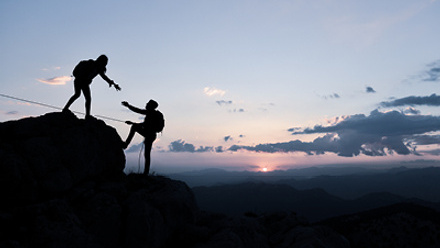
(124, 103)
(117, 87)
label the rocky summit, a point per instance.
(63, 185)
(50, 154)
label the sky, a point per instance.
(243, 85)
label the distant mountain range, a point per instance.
(346, 183)
(420, 183)
(214, 176)
(314, 204)
(316, 198)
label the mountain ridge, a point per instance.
(315, 204)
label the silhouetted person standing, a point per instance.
(153, 124)
(84, 74)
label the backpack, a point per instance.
(156, 121)
(84, 69)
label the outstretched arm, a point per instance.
(109, 81)
(133, 108)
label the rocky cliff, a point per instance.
(50, 154)
(62, 185)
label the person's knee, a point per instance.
(138, 128)
(76, 95)
(134, 128)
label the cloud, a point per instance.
(371, 134)
(134, 148)
(223, 102)
(230, 138)
(378, 123)
(13, 112)
(315, 147)
(181, 146)
(433, 73)
(435, 152)
(331, 96)
(370, 90)
(240, 110)
(432, 100)
(56, 80)
(266, 106)
(378, 134)
(211, 91)
(231, 109)
(430, 74)
(205, 149)
(425, 139)
(294, 129)
(55, 68)
(411, 110)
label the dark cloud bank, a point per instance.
(432, 100)
(182, 146)
(378, 134)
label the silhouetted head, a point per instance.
(102, 60)
(152, 105)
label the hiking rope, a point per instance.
(139, 161)
(55, 107)
(77, 112)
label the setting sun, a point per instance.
(264, 169)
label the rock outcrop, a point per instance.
(62, 184)
(49, 154)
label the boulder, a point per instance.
(50, 154)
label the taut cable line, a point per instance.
(55, 107)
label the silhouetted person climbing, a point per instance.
(84, 74)
(153, 123)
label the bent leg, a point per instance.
(75, 96)
(136, 127)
